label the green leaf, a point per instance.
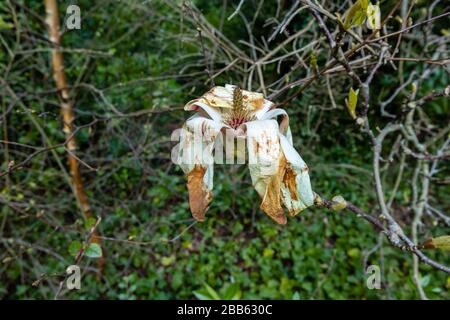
(313, 61)
(353, 252)
(177, 279)
(74, 248)
(213, 294)
(268, 252)
(89, 223)
(232, 292)
(5, 25)
(201, 294)
(93, 250)
(296, 296)
(352, 101)
(424, 281)
(339, 203)
(356, 14)
(167, 261)
(437, 290)
(437, 243)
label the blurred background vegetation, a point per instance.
(145, 55)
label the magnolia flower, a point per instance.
(278, 173)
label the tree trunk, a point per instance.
(53, 24)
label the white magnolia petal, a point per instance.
(296, 188)
(265, 165)
(212, 101)
(275, 113)
(197, 104)
(263, 145)
(248, 95)
(266, 106)
(208, 128)
(196, 160)
(218, 97)
(229, 88)
(288, 136)
(197, 142)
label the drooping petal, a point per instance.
(196, 160)
(274, 114)
(296, 188)
(201, 104)
(263, 109)
(212, 102)
(267, 165)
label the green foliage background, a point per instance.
(141, 195)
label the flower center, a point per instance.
(239, 114)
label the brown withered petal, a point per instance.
(271, 203)
(296, 188)
(267, 166)
(199, 195)
(196, 160)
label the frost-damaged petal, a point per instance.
(212, 101)
(275, 113)
(196, 160)
(267, 165)
(263, 109)
(201, 104)
(296, 186)
(200, 194)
